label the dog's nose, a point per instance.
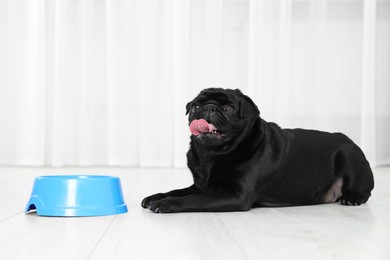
(210, 112)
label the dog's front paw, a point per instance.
(146, 202)
(167, 205)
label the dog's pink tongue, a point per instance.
(201, 126)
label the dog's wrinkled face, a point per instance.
(217, 116)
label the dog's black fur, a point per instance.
(250, 162)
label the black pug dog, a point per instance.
(239, 161)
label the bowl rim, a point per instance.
(75, 177)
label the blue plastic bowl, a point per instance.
(76, 195)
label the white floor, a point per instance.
(313, 232)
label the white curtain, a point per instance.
(94, 82)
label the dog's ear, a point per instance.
(188, 107)
(248, 108)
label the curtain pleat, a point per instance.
(368, 113)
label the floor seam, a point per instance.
(8, 218)
(101, 237)
(112, 221)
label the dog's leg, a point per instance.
(202, 202)
(174, 193)
(358, 180)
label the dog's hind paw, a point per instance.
(350, 199)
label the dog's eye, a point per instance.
(194, 108)
(228, 108)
